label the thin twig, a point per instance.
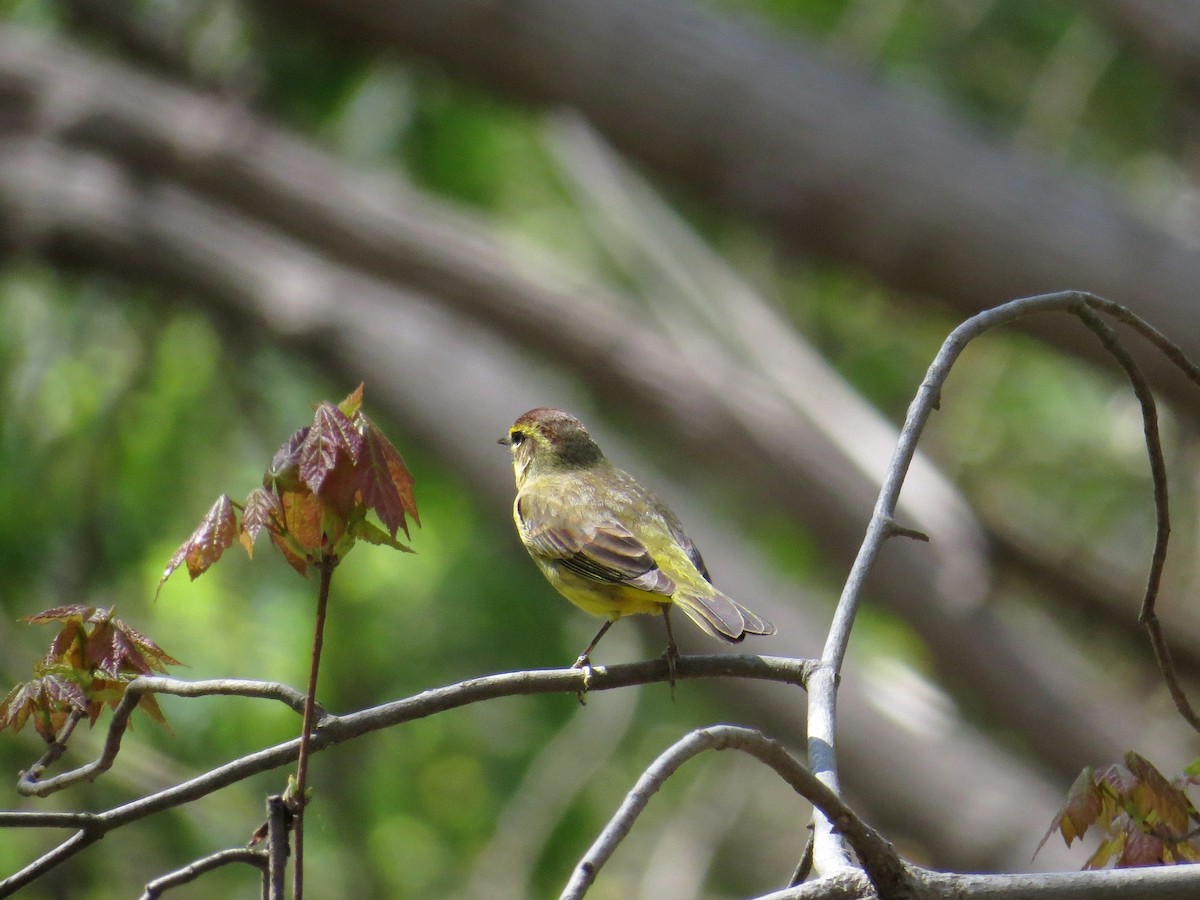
(829, 854)
(56, 748)
(879, 859)
(325, 567)
(1158, 465)
(1147, 616)
(195, 869)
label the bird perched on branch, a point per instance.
(606, 543)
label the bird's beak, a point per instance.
(506, 441)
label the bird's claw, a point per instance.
(672, 655)
(585, 663)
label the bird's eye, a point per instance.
(516, 438)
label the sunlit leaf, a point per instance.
(262, 510)
(353, 402)
(1140, 849)
(284, 473)
(373, 534)
(331, 436)
(1156, 799)
(75, 611)
(385, 482)
(1106, 851)
(215, 533)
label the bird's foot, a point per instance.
(672, 655)
(585, 663)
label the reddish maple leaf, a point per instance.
(385, 483)
(212, 537)
(331, 437)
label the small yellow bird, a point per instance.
(605, 542)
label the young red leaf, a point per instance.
(1081, 810)
(16, 707)
(1156, 800)
(284, 473)
(297, 562)
(385, 482)
(68, 646)
(1140, 849)
(332, 435)
(214, 534)
(118, 650)
(49, 699)
(262, 510)
(76, 611)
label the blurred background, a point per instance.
(729, 235)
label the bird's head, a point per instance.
(547, 439)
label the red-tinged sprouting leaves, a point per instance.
(212, 537)
(48, 700)
(316, 495)
(332, 438)
(91, 660)
(385, 482)
(1147, 819)
(261, 510)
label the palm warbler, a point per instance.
(605, 542)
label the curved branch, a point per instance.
(879, 859)
(193, 870)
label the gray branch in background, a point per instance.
(835, 164)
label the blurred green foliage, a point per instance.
(123, 414)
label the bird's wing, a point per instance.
(606, 552)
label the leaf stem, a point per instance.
(325, 567)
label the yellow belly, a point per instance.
(610, 601)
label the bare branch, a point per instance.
(279, 819)
(1158, 471)
(878, 857)
(193, 870)
(829, 855)
(30, 783)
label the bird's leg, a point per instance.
(585, 658)
(672, 650)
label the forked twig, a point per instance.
(829, 852)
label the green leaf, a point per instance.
(373, 534)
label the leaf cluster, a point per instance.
(90, 662)
(1147, 818)
(315, 496)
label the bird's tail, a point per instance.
(721, 616)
